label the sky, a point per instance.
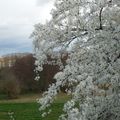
(17, 20)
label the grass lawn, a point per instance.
(28, 110)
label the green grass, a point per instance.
(29, 110)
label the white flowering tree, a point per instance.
(89, 30)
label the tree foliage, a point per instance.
(24, 71)
(9, 84)
(90, 31)
(21, 75)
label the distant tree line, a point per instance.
(20, 78)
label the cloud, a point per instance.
(15, 45)
(44, 2)
(17, 18)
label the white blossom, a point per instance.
(89, 30)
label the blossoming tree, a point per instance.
(89, 30)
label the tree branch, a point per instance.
(100, 18)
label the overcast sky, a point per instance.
(17, 18)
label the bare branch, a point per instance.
(100, 18)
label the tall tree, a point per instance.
(90, 31)
(24, 71)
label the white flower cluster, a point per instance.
(11, 115)
(89, 30)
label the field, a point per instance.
(26, 108)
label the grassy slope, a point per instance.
(26, 108)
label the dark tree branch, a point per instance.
(100, 18)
